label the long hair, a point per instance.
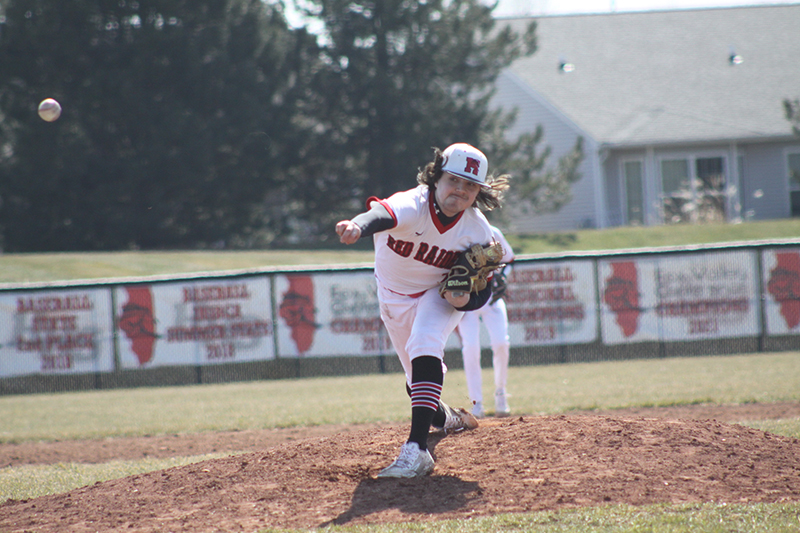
(489, 198)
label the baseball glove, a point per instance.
(472, 268)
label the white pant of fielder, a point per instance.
(496, 321)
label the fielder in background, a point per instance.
(495, 318)
(418, 234)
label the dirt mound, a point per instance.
(163, 446)
(506, 465)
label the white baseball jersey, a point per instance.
(416, 254)
(508, 252)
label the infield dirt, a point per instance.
(311, 477)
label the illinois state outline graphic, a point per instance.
(784, 286)
(137, 322)
(622, 296)
(297, 310)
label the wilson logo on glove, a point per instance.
(473, 268)
(462, 282)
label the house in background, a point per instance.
(676, 108)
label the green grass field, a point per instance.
(545, 389)
(656, 236)
(707, 518)
(48, 267)
(535, 390)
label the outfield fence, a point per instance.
(292, 323)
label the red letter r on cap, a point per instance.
(473, 165)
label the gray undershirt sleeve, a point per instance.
(375, 220)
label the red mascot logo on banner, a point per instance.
(622, 296)
(784, 286)
(137, 322)
(297, 309)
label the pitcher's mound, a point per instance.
(507, 465)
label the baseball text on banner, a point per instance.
(551, 303)
(329, 315)
(679, 297)
(195, 322)
(56, 332)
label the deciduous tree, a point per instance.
(406, 76)
(174, 129)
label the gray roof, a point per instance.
(665, 77)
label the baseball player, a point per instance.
(495, 318)
(418, 234)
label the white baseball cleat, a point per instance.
(501, 404)
(457, 419)
(477, 410)
(412, 462)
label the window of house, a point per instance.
(676, 192)
(693, 189)
(634, 192)
(793, 161)
(710, 191)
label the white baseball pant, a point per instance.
(417, 326)
(495, 319)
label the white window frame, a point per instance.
(623, 187)
(692, 157)
(790, 186)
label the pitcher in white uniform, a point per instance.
(495, 317)
(418, 234)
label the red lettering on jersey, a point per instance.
(435, 256)
(473, 166)
(431, 257)
(403, 248)
(423, 249)
(445, 260)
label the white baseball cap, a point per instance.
(466, 161)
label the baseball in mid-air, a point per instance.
(49, 109)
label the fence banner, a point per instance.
(195, 322)
(56, 332)
(679, 297)
(551, 303)
(781, 270)
(331, 314)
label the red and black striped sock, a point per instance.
(426, 389)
